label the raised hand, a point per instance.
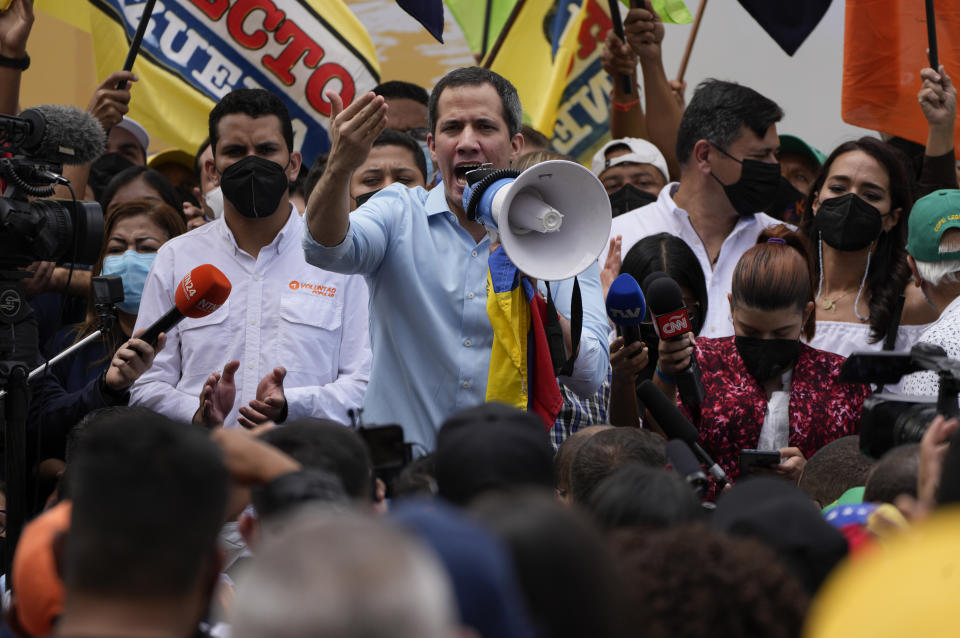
(270, 403)
(611, 267)
(628, 361)
(109, 104)
(617, 57)
(643, 29)
(354, 128)
(15, 25)
(217, 396)
(938, 98)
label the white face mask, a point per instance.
(214, 199)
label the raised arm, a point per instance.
(938, 100)
(15, 25)
(626, 114)
(644, 32)
(352, 132)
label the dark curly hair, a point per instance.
(889, 272)
(690, 582)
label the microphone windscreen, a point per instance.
(668, 415)
(664, 295)
(682, 459)
(201, 291)
(625, 302)
(649, 279)
(63, 134)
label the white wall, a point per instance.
(732, 46)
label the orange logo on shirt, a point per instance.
(317, 289)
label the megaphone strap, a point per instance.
(563, 365)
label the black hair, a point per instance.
(637, 495)
(894, 474)
(197, 167)
(834, 469)
(889, 272)
(149, 496)
(154, 180)
(668, 253)
(473, 76)
(321, 444)
(398, 89)
(314, 174)
(718, 112)
(255, 103)
(416, 480)
(564, 565)
(607, 451)
(391, 137)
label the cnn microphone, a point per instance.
(682, 460)
(670, 321)
(626, 307)
(676, 426)
(202, 291)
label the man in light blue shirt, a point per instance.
(426, 263)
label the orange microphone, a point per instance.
(201, 292)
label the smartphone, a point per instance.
(751, 460)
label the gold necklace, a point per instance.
(831, 304)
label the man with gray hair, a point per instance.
(933, 247)
(344, 575)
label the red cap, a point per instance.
(202, 291)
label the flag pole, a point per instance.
(626, 82)
(486, 62)
(693, 36)
(137, 39)
(932, 36)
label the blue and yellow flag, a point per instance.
(196, 51)
(521, 371)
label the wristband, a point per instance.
(625, 106)
(665, 378)
(21, 64)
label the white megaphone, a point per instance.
(553, 219)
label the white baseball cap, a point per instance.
(641, 152)
(133, 127)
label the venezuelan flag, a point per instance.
(521, 371)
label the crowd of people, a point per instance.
(322, 455)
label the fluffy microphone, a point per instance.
(675, 425)
(201, 292)
(670, 321)
(686, 464)
(62, 135)
(626, 307)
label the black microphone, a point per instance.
(676, 426)
(682, 460)
(670, 320)
(57, 134)
(626, 307)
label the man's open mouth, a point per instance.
(460, 172)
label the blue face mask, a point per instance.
(133, 268)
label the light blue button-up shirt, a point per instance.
(429, 329)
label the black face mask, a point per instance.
(104, 169)
(847, 222)
(767, 358)
(787, 203)
(255, 186)
(757, 187)
(628, 198)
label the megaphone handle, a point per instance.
(563, 365)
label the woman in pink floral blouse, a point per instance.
(765, 389)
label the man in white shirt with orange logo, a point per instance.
(291, 340)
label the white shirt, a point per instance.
(281, 312)
(775, 432)
(664, 216)
(944, 332)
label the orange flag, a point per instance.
(884, 48)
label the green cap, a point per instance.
(793, 144)
(932, 216)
